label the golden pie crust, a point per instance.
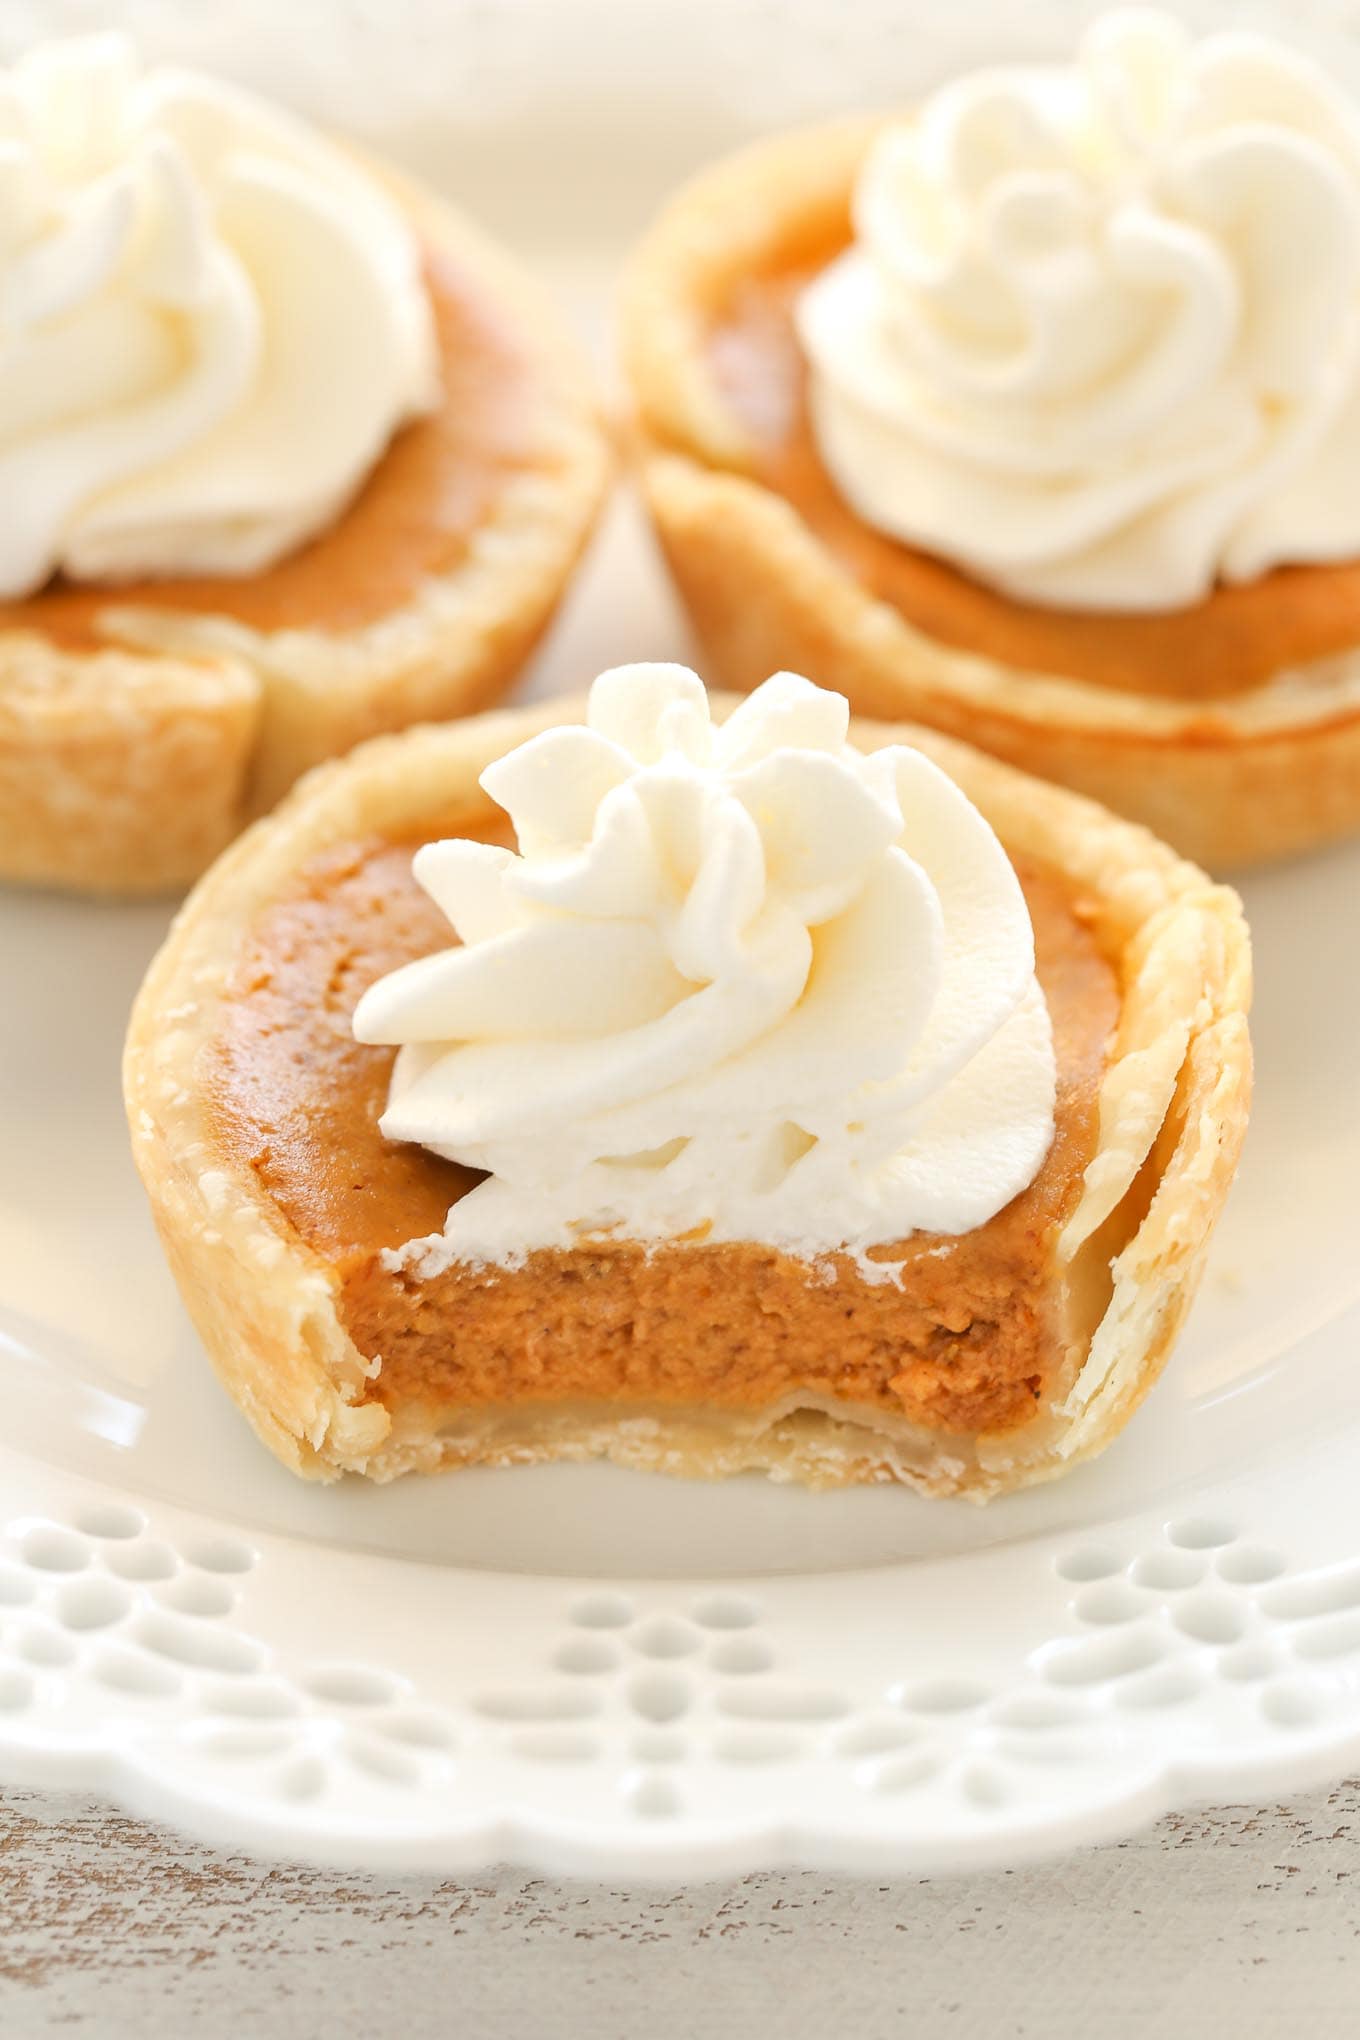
(141, 727)
(1232, 729)
(275, 1303)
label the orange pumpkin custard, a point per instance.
(371, 1237)
(332, 478)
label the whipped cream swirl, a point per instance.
(211, 323)
(739, 982)
(1098, 341)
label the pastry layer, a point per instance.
(412, 520)
(967, 1343)
(1241, 637)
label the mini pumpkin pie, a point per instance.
(1035, 416)
(711, 1096)
(290, 455)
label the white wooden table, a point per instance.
(1243, 1922)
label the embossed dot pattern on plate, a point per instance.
(677, 1686)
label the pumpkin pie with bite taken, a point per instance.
(706, 1086)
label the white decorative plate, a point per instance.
(591, 1671)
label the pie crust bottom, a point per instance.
(819, 1442)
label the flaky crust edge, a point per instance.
(1177, 1088)
(94, 790)
(1231, 783)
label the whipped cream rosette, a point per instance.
(739, 981)
(1098, 341)
(211, 323)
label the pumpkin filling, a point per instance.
(1240, 637)
(968, 1341)
(412, 519)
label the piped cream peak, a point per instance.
(1098, 339)
(739, 980)
(211, 323)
